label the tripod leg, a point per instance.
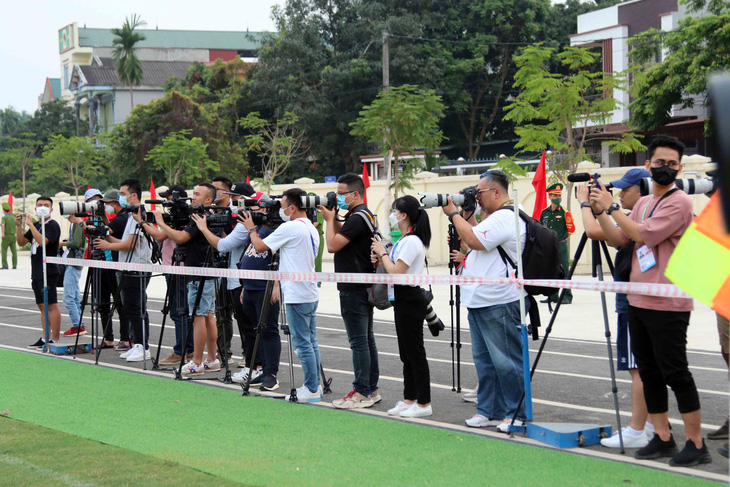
(285, 329)
(260, 327)
(226, 307)
(326, 383)
(191, 325)
(87, 286)
(165, 312)
(458, 338)
(112, 308)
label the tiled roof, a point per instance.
(154, 73)
(184, 39)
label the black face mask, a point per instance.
(663, 175)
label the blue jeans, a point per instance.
(71, 294)
(179, 312)
(207, 298)
(497, 349)
(358, 317)
(302, 318)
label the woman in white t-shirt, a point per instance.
(409, 305)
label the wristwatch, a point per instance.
(585, 204)
(614, 206)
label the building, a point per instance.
(51, 91)
(610, 30)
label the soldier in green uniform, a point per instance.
(556, 218)
(8, 237)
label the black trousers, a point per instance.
(270, 343)
(409, 310)
(108, 288)
(659, 344)
(224, 314)
(135, 305)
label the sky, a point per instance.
(29, 32)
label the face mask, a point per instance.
(393, 220)
(556, 201)
(283, 215)
(663, 175)
(123, 201)
(43, 212)
(341, 201)
(109, 209)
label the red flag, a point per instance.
(10, 201)
(539, 182)
(247, 179)
(153, 193)
(89, 187)
(366, 181)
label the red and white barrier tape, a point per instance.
(661, 290)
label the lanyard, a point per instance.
(392, 252)
(657, 204)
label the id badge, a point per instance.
(646, 258)
(391, 293)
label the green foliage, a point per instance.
(72, 162)
(277, 144)
(699, 47)
(12, 122)
(129, 67)
(53, 118)
(510, 168)
(183, 158)
(16, 155)
(401, 120)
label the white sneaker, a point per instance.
(416, 411)
(399, 407)
(242, 376)
(213, 366)
(649, 433)
(504, 425)
(631, 440)
(128, 352)
(470, 396)
(305, 395)
(479, 421)
(138, 354)
(191, 368)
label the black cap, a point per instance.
(243, 189)
(174, 188)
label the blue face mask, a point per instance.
(341, 201)
(123, 201)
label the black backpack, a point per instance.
(540, 257)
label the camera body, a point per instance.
(272, 205)
(466, 199)
(178, 211)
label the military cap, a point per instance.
(555, 188)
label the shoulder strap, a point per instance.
(502, 253)
(673, 190)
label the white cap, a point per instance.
(90, 193)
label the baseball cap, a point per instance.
(243, 189)
(632, 178)
(90, 193)
(111, 195)
(174, 188)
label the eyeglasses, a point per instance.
(662, 162)
(345, 193)
(484, 190)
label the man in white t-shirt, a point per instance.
(494, 309)
(298, 243)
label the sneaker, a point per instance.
(399, 407)
(504, 425)
(657, 448)
(38, 344)
(122, 346)
(649, 432)
(270, 383)
(257, 377)
(242, 376)
(305, 395)
(138, 354)
(719, 434)
(191, 368)
(73, 330)
(213, 366)
(375, 396)
(470, 396)
(723, 450)
(354, 400)
(631, 440)
(416, 411)
(241, 364)
(127, 353)
(172, 359)
(691, 455)
(479, 421)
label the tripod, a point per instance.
(93, 286)
(177, 287)
(597, 272)
(455, 304)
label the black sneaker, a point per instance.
(38, 344)
(657, 448)
(723, 451)
(719, 434)
(270, 383)
(258, 379)
(691, 455)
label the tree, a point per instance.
(278, 144)
(53, 118)
(17, 157)
(401, 120)
(72, 162)
(129, 67)
(183, 158)
(562, 111)
(12, 122)
(698, 47)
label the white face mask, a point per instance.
(109, 209)
(43, 212)
(283, 215)
(393, 219)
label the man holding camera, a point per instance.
(205, 332)
(350, 241)
(75, 245)
(8, 237)
(494, 309)
(44, 208)
(224, 299)
(560, 220)
(658, 325)
(298, 242)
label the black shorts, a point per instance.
(37, 285)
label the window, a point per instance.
(65, 75)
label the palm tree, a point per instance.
(129, 68)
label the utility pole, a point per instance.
(386, 86)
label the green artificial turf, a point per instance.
(268, 442)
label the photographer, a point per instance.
(44, 208)
(224, 314)
(298, 243)
(76, 244)
(409, 303)
(638, 432)
(205, 332)
(658, 325)
(350, 241)
(494, 309)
